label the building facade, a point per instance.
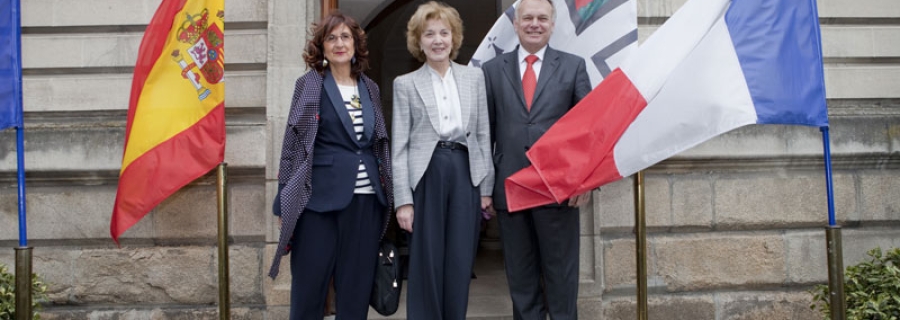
(735, 225)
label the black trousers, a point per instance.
(540, 251)
(442, 247)
(343, 244)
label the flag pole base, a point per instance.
(23, 283)
(221, 192)
(836, 273)
(640, 233)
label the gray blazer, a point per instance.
(415, 129)
(562, 83)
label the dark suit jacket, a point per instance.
(337, 152)
(562, 82)
(312, 125)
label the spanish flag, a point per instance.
(176, 116)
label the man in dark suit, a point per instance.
(528, 90)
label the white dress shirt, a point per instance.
(449, 109)
(536, 66)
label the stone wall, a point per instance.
(736, 225)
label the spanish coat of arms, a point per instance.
(206, 51)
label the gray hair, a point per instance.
(552, 9)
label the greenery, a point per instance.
(872, 288)
(8, 294)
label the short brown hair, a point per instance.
(428, 11)
(314, 52)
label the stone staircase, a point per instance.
(488, 292)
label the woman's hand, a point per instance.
(405, 217)
(487, 206)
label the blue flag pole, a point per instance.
(20, 130)
(20, 154)
(11, 92)
(828, 181)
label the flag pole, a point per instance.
(23, 252)
(640, 228)
(221, 193)
(838, 303)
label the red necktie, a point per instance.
(529, 81)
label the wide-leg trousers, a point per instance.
(541, 255)
(343, 244)
(445, 233)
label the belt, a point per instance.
(452, 145)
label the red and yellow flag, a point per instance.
(176, 116)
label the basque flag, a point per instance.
(176, 118)
(714, 66)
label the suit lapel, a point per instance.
(465, 95)
(549, 67)
(511, 70)
(426, 92)
(337, 101)
(368, 109)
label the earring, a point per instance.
(353, 60)
(324, 62)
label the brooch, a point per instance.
(354, 101)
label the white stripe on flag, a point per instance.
(706, 95)
(664, 50)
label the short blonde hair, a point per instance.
(418, 21)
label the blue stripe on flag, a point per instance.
(778, 46)
(10, 113)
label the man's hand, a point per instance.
(405, 217)
(579, 199)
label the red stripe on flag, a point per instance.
(161, 171)
(577, 152)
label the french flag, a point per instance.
(714, 66)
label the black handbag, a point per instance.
(385, 298)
